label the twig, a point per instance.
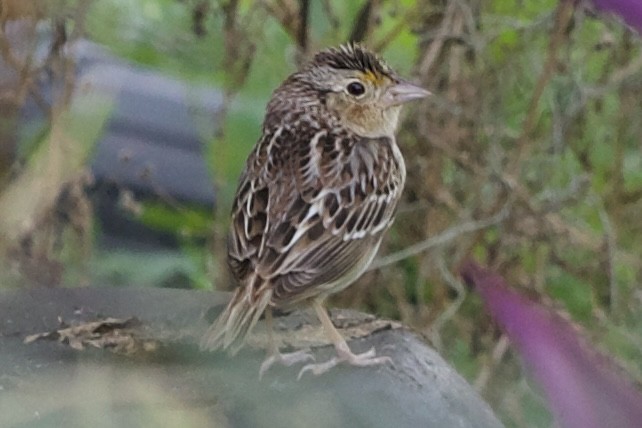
(362, 25)
(611, 248)
(498, 25)
(452, 309)
(444, 237)
(563, 16)
(619, 76)
(435, 48)
(302, 29)
(499, 350)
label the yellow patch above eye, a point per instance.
(372, 77)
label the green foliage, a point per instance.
(463, 357)
(184, 222)
(573, 293)
(125, 268)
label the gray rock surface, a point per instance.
(168, 382)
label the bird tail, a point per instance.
(237, 319)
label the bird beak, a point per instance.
(402, 92)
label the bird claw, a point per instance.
(318, 369)
(364, 359)
(287, 359)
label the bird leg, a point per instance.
(274, 356)
(344, 354)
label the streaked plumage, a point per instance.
(319, 189)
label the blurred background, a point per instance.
(124, 126)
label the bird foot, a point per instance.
(287, 359)
(344, 355)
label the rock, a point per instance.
(163, 379)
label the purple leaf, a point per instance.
(629, 10)
(582, 389)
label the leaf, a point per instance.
(583, 389)
(629, 10)
(118, 335)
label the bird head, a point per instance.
(360, 89)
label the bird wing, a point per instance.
(311, 215)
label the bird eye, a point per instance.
(356, 89)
